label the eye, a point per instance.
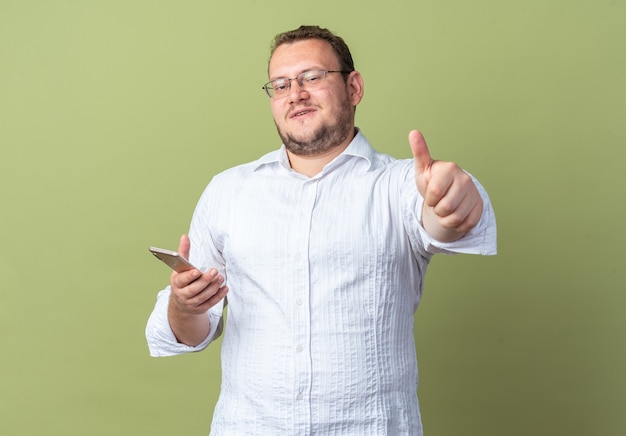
(311, 77)
(280, 85)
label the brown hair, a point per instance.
(315, 32)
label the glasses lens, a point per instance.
(311, 78)
(306, 80)
(279, 86)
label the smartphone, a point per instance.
(172, 259)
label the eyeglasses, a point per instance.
(308, 80)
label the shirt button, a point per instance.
(299, 397)
(299, 348)
(299, 301)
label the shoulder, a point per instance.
(246, 170)
(378, 161)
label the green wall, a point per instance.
(115, 114)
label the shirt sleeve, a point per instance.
(204, 255)
(480, 240)
(161, 339)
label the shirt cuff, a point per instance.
(162, 341)
(482, 239)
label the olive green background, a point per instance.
(115, 114)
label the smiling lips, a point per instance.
(300, 112)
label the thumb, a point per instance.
(423, 161)
(183, 246)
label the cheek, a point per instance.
(277, 112)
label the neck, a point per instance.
(313, 165)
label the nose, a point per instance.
(296, 91)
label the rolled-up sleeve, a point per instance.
(482, 239)
(162, 341)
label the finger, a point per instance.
(459, 209)
(184, 245)
(211, 299)
(185, 278)
(446, 198)
(423, 161)
(472, 217)
(212, 292)
(440, 182)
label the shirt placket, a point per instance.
(302, 313)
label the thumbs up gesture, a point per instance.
(452, 204)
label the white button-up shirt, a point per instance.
(324, 277)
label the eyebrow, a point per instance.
(301, 71)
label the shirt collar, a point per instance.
(359, 148)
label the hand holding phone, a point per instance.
(172, 259)
(191, 294)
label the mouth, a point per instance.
(299, 113)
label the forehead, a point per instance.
(292, 58)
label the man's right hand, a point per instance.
(193, 294)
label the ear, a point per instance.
(355, 87)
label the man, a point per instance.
(324, 244)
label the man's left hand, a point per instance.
(452, 204)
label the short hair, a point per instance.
(315, 32)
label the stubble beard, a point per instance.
(325, 138)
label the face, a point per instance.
(314, 122)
